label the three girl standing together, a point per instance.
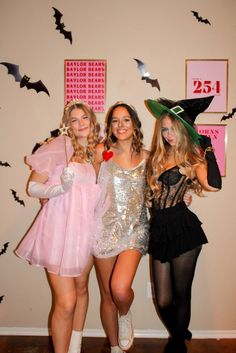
(120, 224)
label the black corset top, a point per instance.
(173, 187)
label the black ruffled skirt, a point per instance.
(174, 231)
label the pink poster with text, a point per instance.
(217, 133)
(208, 78)
(86, 80)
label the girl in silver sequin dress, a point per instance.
(121, 236)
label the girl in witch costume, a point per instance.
(177, 163)
(61, 237)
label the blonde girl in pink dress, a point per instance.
(61, 237)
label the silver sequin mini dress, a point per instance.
(121, 216)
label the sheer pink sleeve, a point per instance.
(50, 155)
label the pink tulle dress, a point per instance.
(61, 236)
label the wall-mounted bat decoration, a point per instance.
(13, 70)
(4, 164)
(60, 25)
(230, 115)
(146, 76)
(16, 198)
(3, 250)
(53, 133)
(200, 19)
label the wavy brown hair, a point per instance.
(187, 156)
(81, 152)
(110, 139)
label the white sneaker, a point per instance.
(116, 349)
(126, 333)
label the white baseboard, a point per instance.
(29, 331)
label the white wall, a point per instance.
(162, 34)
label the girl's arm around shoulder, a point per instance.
(201, 174)
(145, 154)
(99, 149)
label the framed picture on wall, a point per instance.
(86, 80)
(208, 78)
(218, 136)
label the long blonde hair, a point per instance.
(82, 153)
(186, 155)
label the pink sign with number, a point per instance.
(208, 78)
(217, 133)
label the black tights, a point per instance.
(172, 285)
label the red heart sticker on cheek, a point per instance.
(107, 155)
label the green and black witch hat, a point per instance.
(185, 110)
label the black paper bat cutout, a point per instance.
(53, 133)
(145, 75)
(230, 115)
(200, 19)
(1, 298)
(60, 26)
(4, 249)
(4, 164)
(13, 70)
(16, 198)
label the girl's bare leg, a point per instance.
(64, 295)
(81, 308)
(104, 269)
(123, 295)
(82, 297)
(122, 279)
